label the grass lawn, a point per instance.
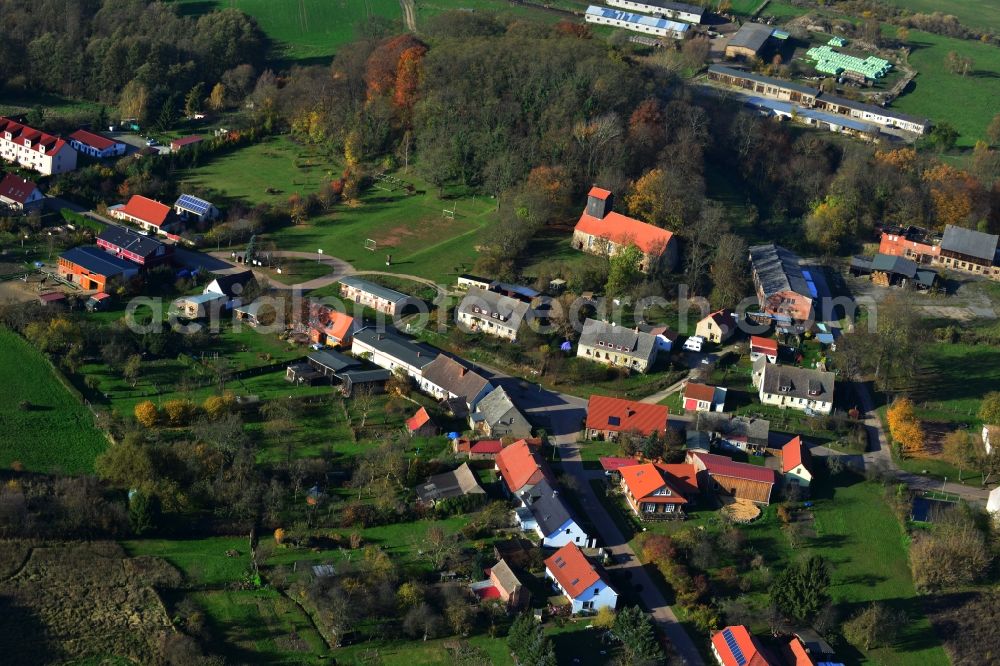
(276, 162)
(934, 88)
(307, 29)
(21, 102)
(432, 653)
(56, 432)
(410, 227)
(262, 626)
(294, 271)
(202, 561)
(976, 14)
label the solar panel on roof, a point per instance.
(193, 204)
(734, 647)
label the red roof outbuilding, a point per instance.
(93, 140)
(763, 345)
(418, 420)
(716, 464)
(612, 464)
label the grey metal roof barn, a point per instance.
(751, 36)
(459, 482)
(498, 411)
(970, 243)
(778, 270)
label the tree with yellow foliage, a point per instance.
(216, 406)
(952, 192)
(146, 414)
(179, 412)
(904, 426)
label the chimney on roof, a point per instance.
(461, 373)
(598, 207)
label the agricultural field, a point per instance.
(15, 102)
(934, 90)
(305, 30)
(52, 431)
(422, 239)
(975, 14)
(82, 601)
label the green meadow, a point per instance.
(42, 425)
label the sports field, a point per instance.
(422, 238)
(935, 90)
(52, 431)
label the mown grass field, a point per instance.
(304, 29)
(935, 91)
(975, 14)
(56, 433)
(410, 227)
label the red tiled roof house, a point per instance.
(19, 193)
(653, 493)
(609, 417)
(602, 231)
(795, 459)
(521, 468)
(763, 347)
(735, 646)
(147, 214)
(704, 398)
(579, 580)
(34, 149)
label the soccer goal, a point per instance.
(370, 244)
(450, 214)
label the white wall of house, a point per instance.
(800, 475)
(609, 356)
(781, 400)
(383, 360)
(570, 532)
(594, 598)
(30, 157)
(487, 326)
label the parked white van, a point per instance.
(694, 343)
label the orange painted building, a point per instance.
(92, 268)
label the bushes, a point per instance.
(180, 412)
(952, 554)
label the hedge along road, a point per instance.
(338, 269)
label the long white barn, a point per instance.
(677, 11)
(636, 22)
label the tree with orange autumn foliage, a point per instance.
(904, 426)
(952, 192)
(408, 77)
(382, 66)
(901, 159)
